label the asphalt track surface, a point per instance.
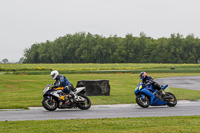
(183, 108)
(187, 82)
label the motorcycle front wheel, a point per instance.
(49, 105)
(144, 103)
(86, 104)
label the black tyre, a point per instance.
(172, 102)
(144, 103)
(49, 105)
(86, 104)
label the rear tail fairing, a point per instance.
(164, 87)
(80, 90)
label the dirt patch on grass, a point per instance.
(17, 81)
(12, 88)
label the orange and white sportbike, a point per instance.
(51, 99)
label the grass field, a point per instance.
(181, 124)
(22, 91)
(96, 66)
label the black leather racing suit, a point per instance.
(148, 80)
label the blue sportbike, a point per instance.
(147, 95)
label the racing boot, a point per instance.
(61, 99)
(60, 104)
(162, 92)
(67, 102)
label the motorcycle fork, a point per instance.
(143, 97)
(50, 99)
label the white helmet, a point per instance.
(54, 74)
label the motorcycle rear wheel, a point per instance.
(172, 102)
(49, 105)
(144, 103)
(86, 104)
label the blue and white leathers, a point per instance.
(62, 81)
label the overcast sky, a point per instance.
(25, 22)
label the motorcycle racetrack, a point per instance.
(183, 108)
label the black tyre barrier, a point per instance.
(95, 87)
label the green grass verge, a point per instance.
(22, 91)
(183, 124)
(96, 67)
(106, 71)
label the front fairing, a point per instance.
(145, 90)
(49, 91)
(138, 88)
(47, 88)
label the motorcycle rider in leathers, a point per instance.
(62, 81)
(148, 80)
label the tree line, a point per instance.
(88, 48)
(5, 61)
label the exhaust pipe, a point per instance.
(167, 97)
